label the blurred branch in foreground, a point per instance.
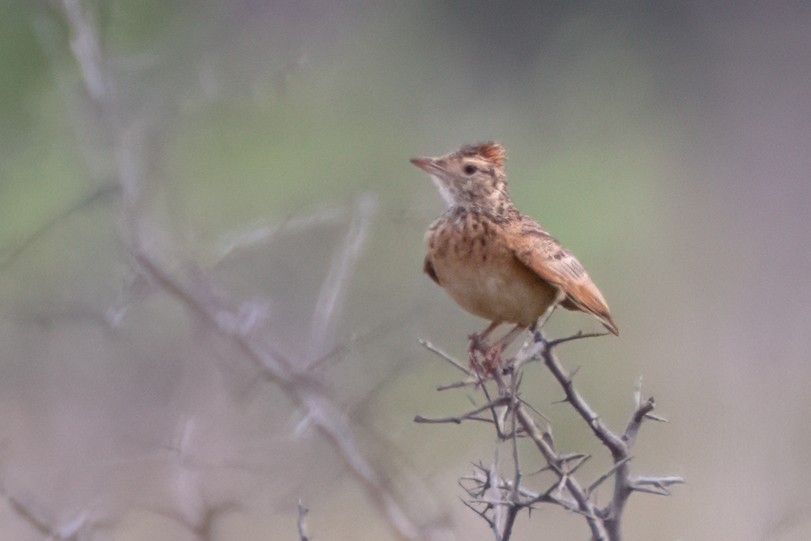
(499, 497)
(127, 131)
(302, 526)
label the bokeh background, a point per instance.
(667, 144)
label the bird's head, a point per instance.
(474, 174)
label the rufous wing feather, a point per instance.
(544, 255)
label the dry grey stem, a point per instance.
(301, 523)
(498, 499)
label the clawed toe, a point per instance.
(492, 358)
(484, 360)
(475, 343)
(475, 351)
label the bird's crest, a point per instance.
(490, 150)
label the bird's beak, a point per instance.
(426, 164)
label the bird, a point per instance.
(494, 261)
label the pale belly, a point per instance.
(488, 281)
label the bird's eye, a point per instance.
(469, 169)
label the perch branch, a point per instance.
(498, 500)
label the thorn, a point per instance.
(576, 467)
(597, 482)
(573, 456)
(656, 490)
(579, 335)
(455, 385)
(535, 410)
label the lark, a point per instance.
(495, 262)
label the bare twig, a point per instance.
(611, 471)
(469, 416)
(302, 526)
(264, 233)
(334, 288)
(608, 438)
(581, 499)
(100, 193)
(302, 389)
(69, 531)
(580, 335)
(498, 501)
(445, 356)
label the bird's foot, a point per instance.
(492, 358)
(475, 343)
(474, 351)
(480, 356)
(485, 361)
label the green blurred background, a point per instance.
(667, 144)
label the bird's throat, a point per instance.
(446, 194)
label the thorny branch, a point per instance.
(498, 499)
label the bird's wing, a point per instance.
(544, 255)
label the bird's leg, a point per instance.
(477, 339)
(477, 343)
(546, 315)
(492, 357)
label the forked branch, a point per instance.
(498, 498)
